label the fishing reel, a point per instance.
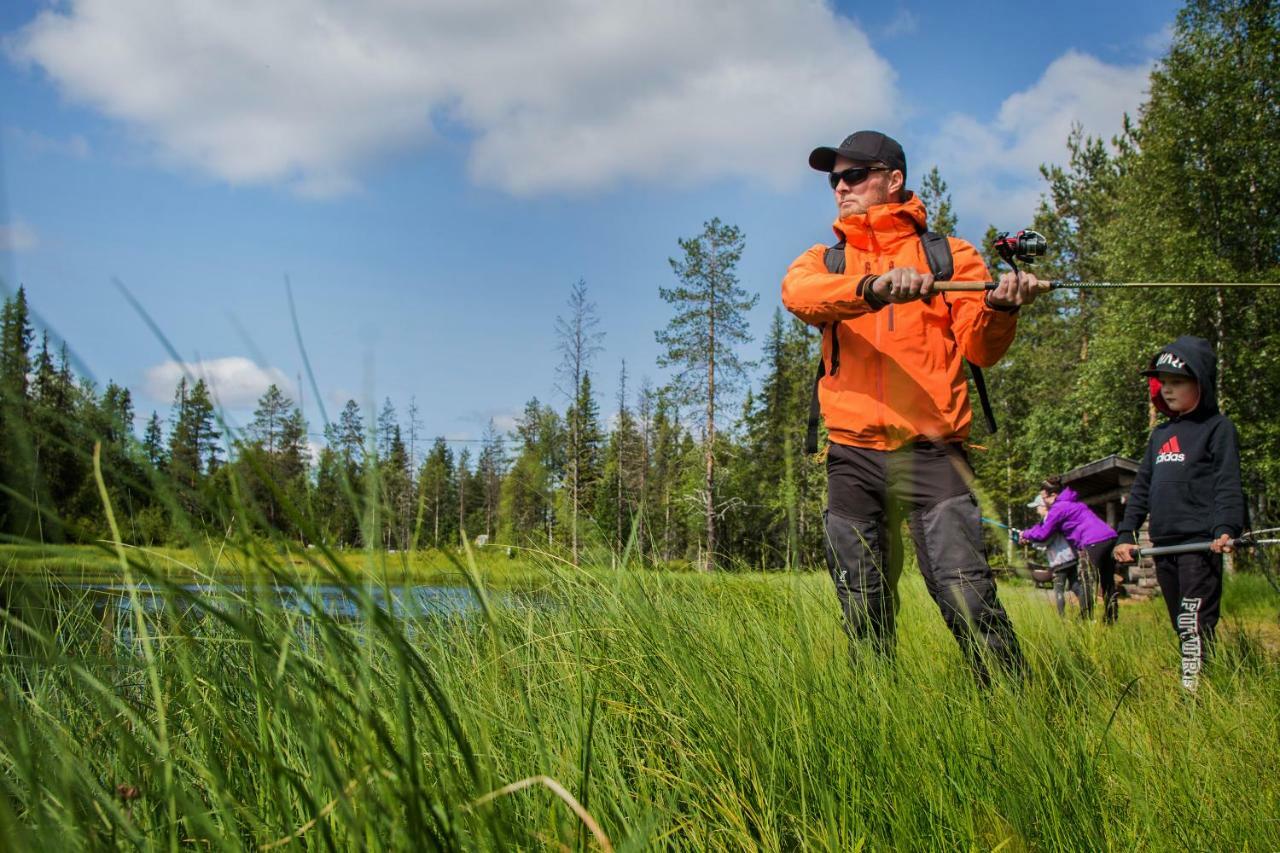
(1025, 246)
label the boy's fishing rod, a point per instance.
(1027, 245)
(1262, 544)
(1248, 540)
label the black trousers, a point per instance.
(869, 493)
(1192, 588)
(1103, 567)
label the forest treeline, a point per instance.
(710, 468)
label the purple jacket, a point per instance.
(1073, 520)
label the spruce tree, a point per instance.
(436, 489)
(579, 341)
(490, 468)
(16, 451)
(153, 441)
(937, 202)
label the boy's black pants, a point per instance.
(869, 492)
(1192, 589)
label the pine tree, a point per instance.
(267, 426)
(699, 340)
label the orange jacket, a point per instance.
(901, 378)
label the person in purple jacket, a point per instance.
(1092, 538)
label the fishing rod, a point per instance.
(1193, 547)
(1260, 544)
(1100, 285)
(1027, 245)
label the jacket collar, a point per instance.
(883, 227)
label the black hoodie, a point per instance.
(1189, 480)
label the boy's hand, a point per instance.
(1124, 553)
(1222, 545)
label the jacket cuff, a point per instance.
(1003, 309)
(875, 303)
(1227, 529)
(1126, 537)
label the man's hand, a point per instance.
(1222, 545)
(1015, 290)
(902, 285)
(1124, 553)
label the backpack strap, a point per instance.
(835, 265)
(937, 251)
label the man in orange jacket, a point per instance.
(896, 403)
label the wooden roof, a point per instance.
(1105, 475)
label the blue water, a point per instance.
(337, 601)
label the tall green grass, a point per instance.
(633, 709)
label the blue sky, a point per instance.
(432, 178)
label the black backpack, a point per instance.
(937, 251)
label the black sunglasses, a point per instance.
(854, 175)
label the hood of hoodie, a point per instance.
(884, 226)
(1067, 494)
(1203, 364)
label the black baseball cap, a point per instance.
(865, 146)
(1168, 361)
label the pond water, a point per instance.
(334, 600)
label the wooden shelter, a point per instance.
(1103, 486)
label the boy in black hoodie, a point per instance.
(1189, 482)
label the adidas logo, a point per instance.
(1171, 452)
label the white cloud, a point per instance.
(235, 382)
(993, 168)
(559, 95)
(17, 236)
